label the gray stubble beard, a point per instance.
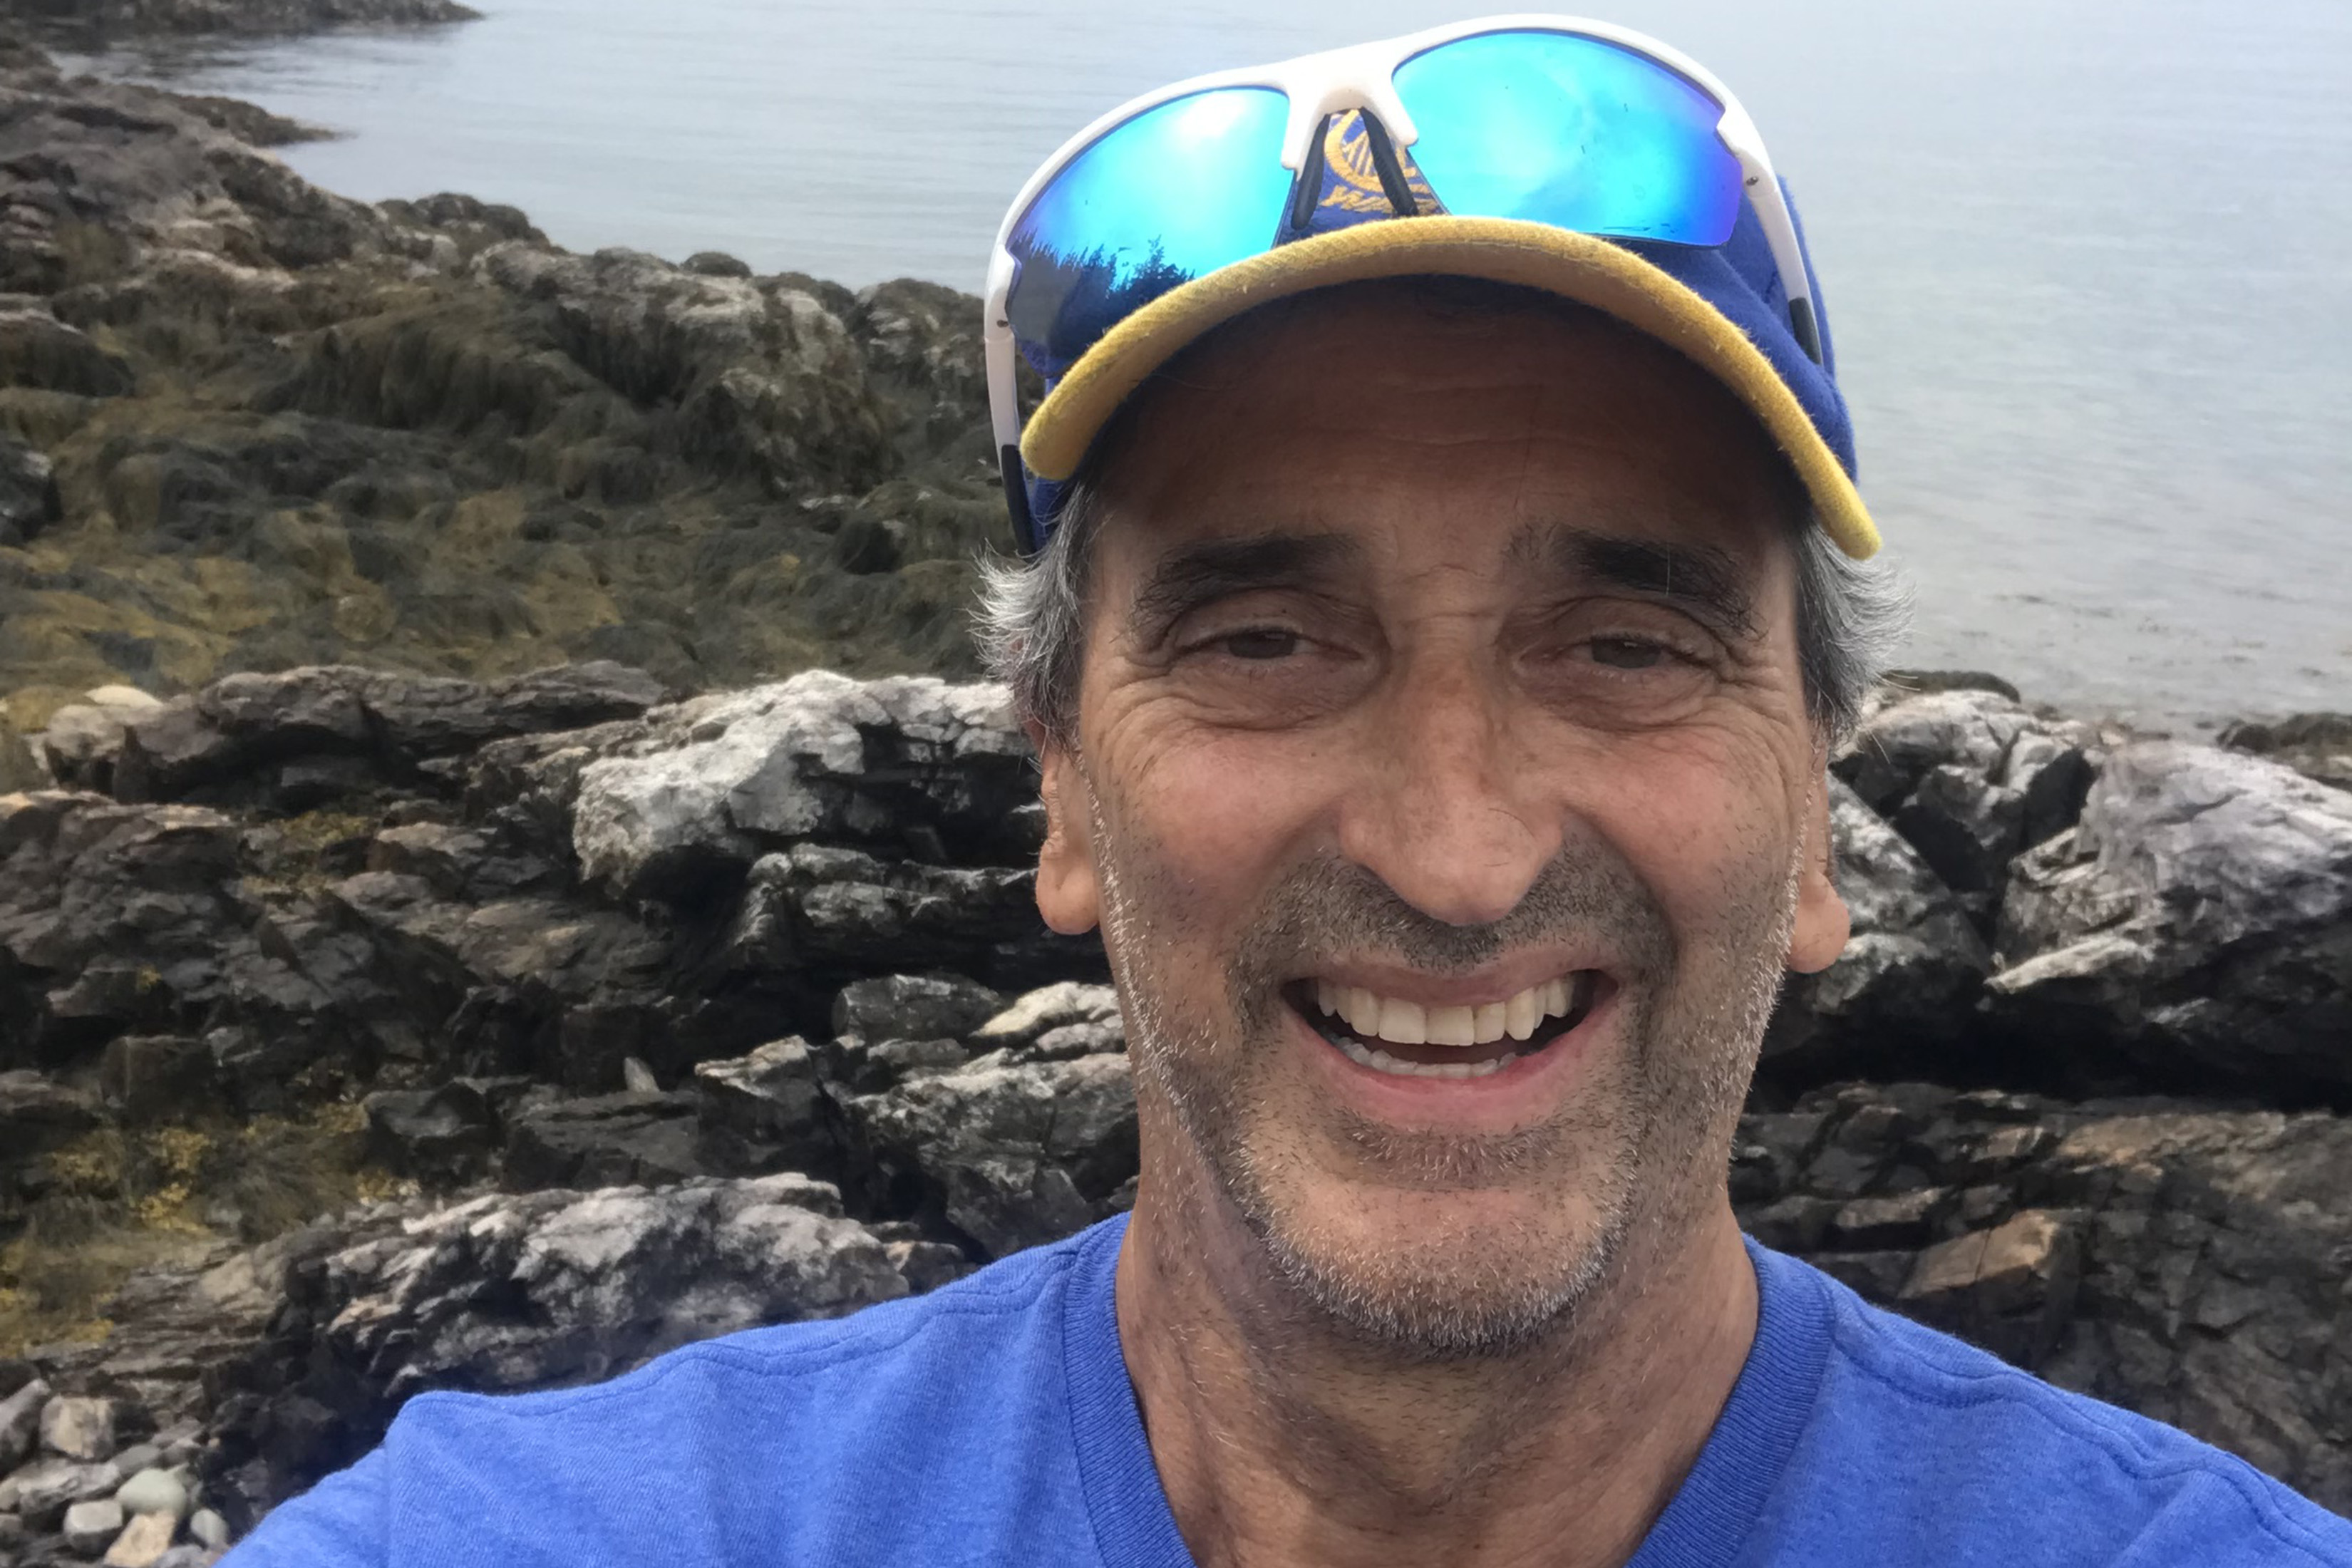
(1649, 1173)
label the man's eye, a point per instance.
(1261, 642)
(1627, 653)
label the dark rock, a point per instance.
(2319, 745)
(29, 493)
(157, 1078)
(2198, 924)
(37, 349)
(1899, 998)
(610, 1140)
(1970, 778)
(506, 1293)
(94, 23)
(861, 1065)
(2181, 1261)
(1014, 1155)
(20, 1422)
(47, 1487)
(715, 264)
(444, 1135)
(913, 1007)
(765, 1112)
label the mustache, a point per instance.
(1330, 906)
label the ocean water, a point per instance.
(2089, 263)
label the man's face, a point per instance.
(1444, 787)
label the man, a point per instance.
(1441, 611)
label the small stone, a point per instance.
(637, 1077)
(188, 1557)
(142, 1542)
(20, 1423)
(78, 1428)
(208, 1529)
(91, 1527)
(46, 1487)
(154, 1491)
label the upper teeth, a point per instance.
(1411, 1024)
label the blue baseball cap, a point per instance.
(1725, 308)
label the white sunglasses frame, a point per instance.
(1363, 75)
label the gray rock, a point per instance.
(2319, 745)
(20, 1413)
(2198, 924)
(1970, 778)
(208, 1529)
(513, 1292)
(446, 1134)
(2181, 1261)
(78, 1428)
(1048, 1007)
(91, 1527)
(610, 1139)
(913, 1007)
(817, 756)
(83, 739)
(139, 1457)
(157, 1078)
(47, 1487)
(154, 1490)
(764, 1112)
(1017, 1154)
(29, 493)
(860, 1066)
(1900, 997)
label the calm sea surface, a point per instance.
(2089, 264)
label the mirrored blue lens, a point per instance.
(1572, 132)
(1184, 188)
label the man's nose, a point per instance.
(1447, 810)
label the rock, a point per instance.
(820, 907)
(1049, 1007)
(156, 1077)
(506, 1292)
(91, 1527)
(715, 264)
(1970, 778)
(139, 1457)
(208, 1529)
(860, 1066)
(2186, 1262)
(94, 23)
(143, 1541)
(47, 1487)
(637, 1077)
(1899, 998)
(610, 1139)
(1015, 1155)
(2198, 924)
(764, 1112)
(913, 1007)
(37, 349)
(444, 1135)
(817, 756)
(78, 1428)
(2319, 745)
(20, 1423)
(29, 493)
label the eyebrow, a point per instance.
(1192, 575)
(1705, 582)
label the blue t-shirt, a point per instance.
(992, 1421)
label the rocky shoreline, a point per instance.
(452, 936)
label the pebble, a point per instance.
(209, 1529)
(154, 1491)
(142, 1542)
(91, 1526)
(78, 1428)
(137, 1458)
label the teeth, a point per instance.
(1410, 1024)
(1403, 1023)
(1380, 1062)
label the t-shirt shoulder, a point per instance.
(1987, 1447)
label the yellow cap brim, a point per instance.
(1578, 267)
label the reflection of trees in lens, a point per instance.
(1061, 304)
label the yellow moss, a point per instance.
(179, 1150)
(377, 1186)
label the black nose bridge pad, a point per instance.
(1354, 171)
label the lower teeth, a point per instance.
(1365, 1055)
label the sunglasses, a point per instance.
(1549, 119)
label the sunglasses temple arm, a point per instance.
(1005, 406)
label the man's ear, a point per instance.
(1824, 922)
(1069, 895)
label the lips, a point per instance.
(1403, 1038)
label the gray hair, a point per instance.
(1851, 615)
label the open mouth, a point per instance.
(1406, 1039)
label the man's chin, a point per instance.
(1441, 1274)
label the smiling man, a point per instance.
(1441, 598)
